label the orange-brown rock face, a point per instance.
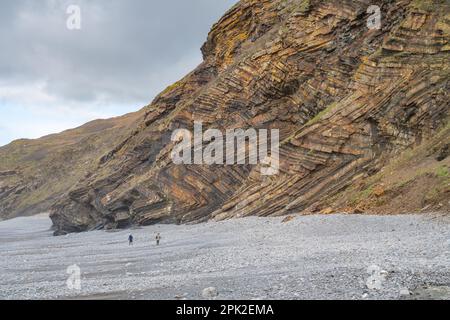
(345, 99)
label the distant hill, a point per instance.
(35, 173)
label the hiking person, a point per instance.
(158, 238)
(130, 240)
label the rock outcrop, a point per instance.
(346, 99)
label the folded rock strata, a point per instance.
(345, 98)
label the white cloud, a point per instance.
(125, 53)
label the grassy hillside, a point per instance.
(34, 173)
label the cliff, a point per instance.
(363, 117)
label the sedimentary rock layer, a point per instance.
(344, 97)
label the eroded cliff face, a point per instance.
(345, 98)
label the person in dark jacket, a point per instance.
(130, 239)
(158, 238)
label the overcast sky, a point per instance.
(126, 52)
